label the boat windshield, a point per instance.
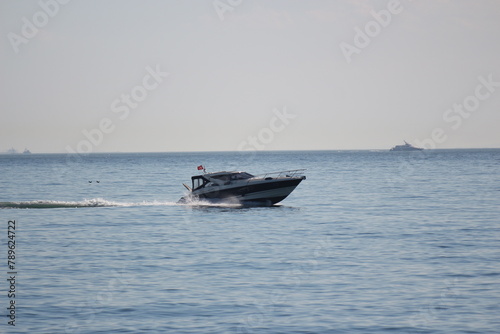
(233, 176)
(199, 182)
(241, 176)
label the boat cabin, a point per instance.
(218, 179)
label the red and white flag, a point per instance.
(200, 167)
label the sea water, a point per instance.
(370, 242)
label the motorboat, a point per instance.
(242, 187)
(406, 147)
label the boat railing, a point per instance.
(281, 174)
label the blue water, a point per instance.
(371, 242)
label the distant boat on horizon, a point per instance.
(14, 151)
(405, 147)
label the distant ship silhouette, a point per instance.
(406, 147)
(14, 151)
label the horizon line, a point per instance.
(250, 152)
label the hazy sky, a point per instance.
(151, 75)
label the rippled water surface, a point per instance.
(371, 242)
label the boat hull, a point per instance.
(265, 192)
